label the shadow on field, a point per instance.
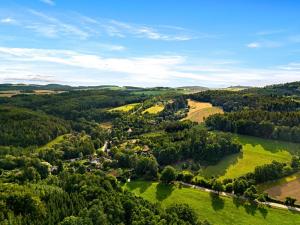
(222, 166)
(217, 203)
(142, 186)
(251, 207)
(269, 145)
(163, 191)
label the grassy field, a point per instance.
(58, 139)
(154, 109)
(125, 108)
(281, 188)
(255, 152)
(200, 110)
(217, 210)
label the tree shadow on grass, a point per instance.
(221, 167)
(217, 203)
(250, 207)
(238, 201)
(141, 185)
(163, 191)
(263, 211)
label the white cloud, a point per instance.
(75, 25)
(49, 2)
(168, 70)
(254, 45)
(265, 44)
(8, 20)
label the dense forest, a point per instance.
(23, 127)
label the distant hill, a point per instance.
(53, 87)
(193, 89)
(287, 89)
(237, 88)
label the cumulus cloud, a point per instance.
(78, 68)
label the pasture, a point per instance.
(255, 152)
(215, 209)
(125, 108)
(198, 111)
(154, 109)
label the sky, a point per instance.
(212, 43)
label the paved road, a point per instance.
(271, 204)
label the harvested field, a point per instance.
(200, 110)
(287, 189)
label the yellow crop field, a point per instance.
(200, 110)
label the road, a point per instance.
(271, 204)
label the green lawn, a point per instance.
(125, 108)
(255, 152)
(217, 210)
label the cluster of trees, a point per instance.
(276, 125)
(172, 109)
(74, 145)
(194, 143)
(73, 199)
(235, 101)
(23, 127)
(29, 168)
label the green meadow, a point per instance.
(217, 210)
(125, 108)
(255, 152)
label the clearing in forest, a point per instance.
(255, 152)
(154, 109)
(125, 108)
(198, 111)
(50, 144)
(216, 209)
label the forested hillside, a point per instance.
(23, 127)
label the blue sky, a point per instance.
(150, 43)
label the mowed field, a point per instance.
(125, 108)
(217, 210)
(154, 109)
(198, 111)
(284, 187)
(255, 152)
